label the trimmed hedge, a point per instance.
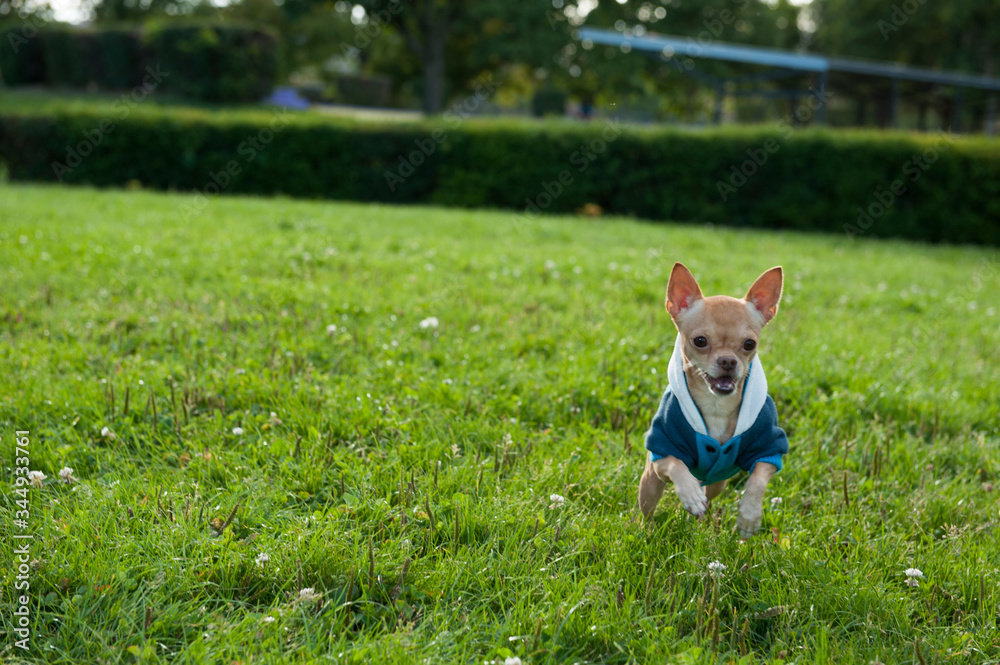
(216, 63)
(922, 187)
(21, 59)
(69, 57)
(121, 57)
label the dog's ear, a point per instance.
(765, 293)
(682, 290)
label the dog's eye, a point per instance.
(749, 345)
(700, 342)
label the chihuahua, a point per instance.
(716, 418)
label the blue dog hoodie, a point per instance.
(678, 428)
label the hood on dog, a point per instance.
(678, 428)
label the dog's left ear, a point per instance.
(765, 293)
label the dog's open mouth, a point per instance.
(723, 385)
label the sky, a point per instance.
(71, 11)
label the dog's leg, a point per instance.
(687, 487)
(752, 503)
(650, 490)
(715, 489)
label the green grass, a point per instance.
(373, 466)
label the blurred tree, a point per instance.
(456, 41)
(19, 12)
(134, 11)
(592, 71)
(962, 36)
(311, 31)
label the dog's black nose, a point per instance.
(727, 364)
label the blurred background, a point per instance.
(856, 117)
(422, 56)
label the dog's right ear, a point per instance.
(682, 290)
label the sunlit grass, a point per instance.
(271, 390)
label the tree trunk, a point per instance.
(433, 76)
(426, 34)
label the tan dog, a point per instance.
(716, 417)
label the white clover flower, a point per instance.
(308, 594)
(717, 568)
(107, 433)
(36, 478)
(913, 577)
(261, 559)
(512, 660)
(331, 329)
(238, 431)
(776, 501)
(429, 322)
(508, 440)
(268, 619)
(556, 500)
(66, 475)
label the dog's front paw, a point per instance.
(749, 518)
(693, 498)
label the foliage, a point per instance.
(129, 11)
(21, 59)
(218, 62)
(861, 183)
(278, 418)
(204, 61)
(69, 57)
(959, 36)
(121, 57)
(548, 101)
(613, 75)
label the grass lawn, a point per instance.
(278, 418)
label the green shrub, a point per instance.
(364, 90)
(121, 58)
(70, 57)
(219, 63)
(21, 57)
(548, 101)
(810, 180)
